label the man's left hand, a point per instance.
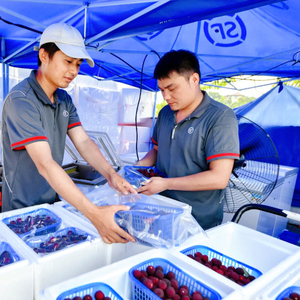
(153, 186)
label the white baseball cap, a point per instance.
(68, 39)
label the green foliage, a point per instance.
(159, 106)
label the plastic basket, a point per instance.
(290, 237)
(226, 260)
(139, 291)
(90, 289)
(48, 246)
(35, 219)
(11, 254)
(288, 291)
(135, 170)
(149, 222)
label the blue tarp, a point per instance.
(230, 37)
(277, 112)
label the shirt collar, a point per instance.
(200, 109)
(40, 92)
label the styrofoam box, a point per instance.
(258, 250)
(63, 264)
(117, 277)
(284, 276)
(16, 279)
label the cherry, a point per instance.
(99, 295)
(87, 297)
(150, 270)
(137, 274)
(170, 292)
(159, 292)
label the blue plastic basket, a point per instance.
(134, 170)
(35, 242)
(33, 228)
(90, 289)
(289, 236)
(12, 254)
(288, 291)
(154, 221)
(139, 291)
(226, 260)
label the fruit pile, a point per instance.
(60, 242)
(150, 172)
(5, 258)
(99, 295)
(165, 286)
(20, 226)
(238, 275)
(292, 296)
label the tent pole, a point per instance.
(153, 118)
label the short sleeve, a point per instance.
(223, 139)
(23, 123)
(74, 119)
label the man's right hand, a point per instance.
(102, 218)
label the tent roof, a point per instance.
(230, 37)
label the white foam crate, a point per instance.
(260, 251)
(63, 264)
(285, 275)
(16, 279)
(116, 276)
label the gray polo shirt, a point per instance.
(186, 148)
(28, 116)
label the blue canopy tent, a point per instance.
(277, 112)
(230, 37)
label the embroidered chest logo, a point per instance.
(65, 113)
(191, 130)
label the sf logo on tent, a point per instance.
(227, 31)
(149, 35)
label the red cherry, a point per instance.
(99, 295)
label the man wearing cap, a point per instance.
(36, 117)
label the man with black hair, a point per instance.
(37, 115)
(195, 141)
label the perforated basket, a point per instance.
(90, 289)
(149, 222)
(135, 170)
(139, 291)
(288, 291)
(34, 223)
(58, 237)
(226, 260)
(13, 256)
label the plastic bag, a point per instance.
(7, 254)
(158, 226)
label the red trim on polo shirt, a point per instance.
(35, 138)
(154, 142)
(74, 124)
(223, 154)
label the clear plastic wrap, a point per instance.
(138, 175)
(158, 226)
(150, 221)
(38, 222)
(61, 239)
(7, 254)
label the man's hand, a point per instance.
(153, 186)
(103, 219)
(120, 184)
